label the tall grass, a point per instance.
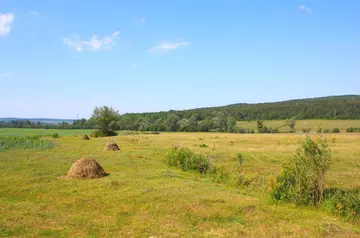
(23, 142)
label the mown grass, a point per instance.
(42, 132)
(144, 197)
(303, 124)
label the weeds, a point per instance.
(25, 142)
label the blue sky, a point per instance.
(60, 59)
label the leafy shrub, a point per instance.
(302, 179)
(352, 129)
(343, 202)
(306, 130)
(55, 135)
(185, 159)
(204, 146)
(336, 130)
(327, 131)
(268, 130)
(100, 133)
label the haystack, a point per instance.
(86, 168)
(85, 137)
(111, 146)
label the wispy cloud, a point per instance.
(5, 23)
(166, 46)
(95, 43)
(34, 13)
(304, 8)
(142, 20)
(4, 75)
(133, 66)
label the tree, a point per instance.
(106, 119)
(231, 124)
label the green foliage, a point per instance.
(106, 119)
(326, 131)
(343, 202)
(352, 129)
(336, 130)
(302, 179)
(100, 133)
(55, 135)
(204, 146)
(185, 159)
(260, 125)
(25, 142)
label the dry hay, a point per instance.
(86, 168)
(111, 146)
(85, 137)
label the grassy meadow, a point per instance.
(143, 197)
(302, 124)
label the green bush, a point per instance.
(327, 131)
(55, 135)
(336, 130)
(100, 133)
(302, 179)
(185, 159)
(352, 129)
(240, 159)
(204, 146)
(343, 202)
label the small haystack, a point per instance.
(85, 137)
(86, 168)
(111, 146)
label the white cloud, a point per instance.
(5, 23)
(133, 66)
(4, 75)
(142, 20)
(95, 43)
(166, 46)
(304, 8)
(34, 13)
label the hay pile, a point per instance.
(111, 146)
(86, 168)
(85, 137)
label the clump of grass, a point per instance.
(55, 135)
(186, 159)
(25, 142)
(204, 146)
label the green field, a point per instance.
(302, 124)
(43, 132)
(143, 197)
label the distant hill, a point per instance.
(41, 120)
(219, 118)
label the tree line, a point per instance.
(216, 119)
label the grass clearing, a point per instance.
(144, 197)
(303, 124)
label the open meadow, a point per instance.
(312, 124)
(144, 197)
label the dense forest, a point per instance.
(223, 118)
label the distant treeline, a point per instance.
(221, 118)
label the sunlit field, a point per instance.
(143, 197)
